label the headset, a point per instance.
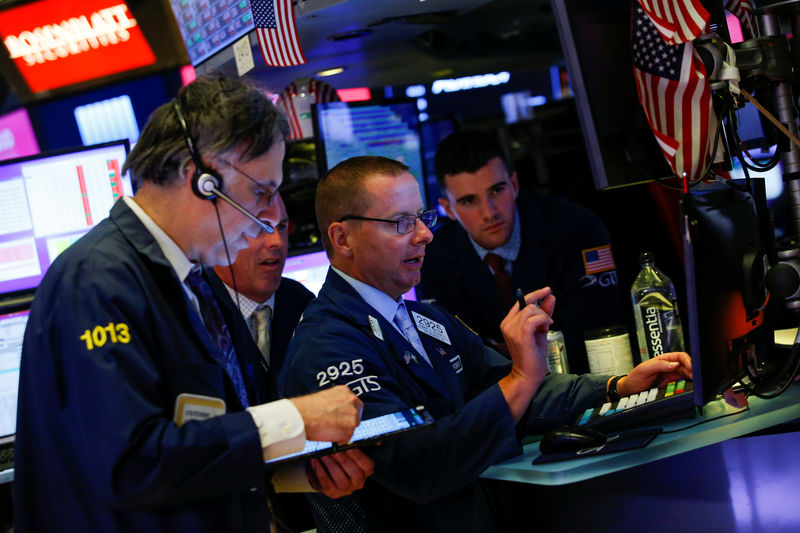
(206, 182)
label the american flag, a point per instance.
(277, 32)
(677, 21)
(676, 97)
(743, 9)
(598, 259)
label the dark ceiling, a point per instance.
(411, 41)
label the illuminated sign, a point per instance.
(55, 43)
(469, 82)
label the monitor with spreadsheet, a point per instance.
(12, 329)
(49, 201)
(310, 269)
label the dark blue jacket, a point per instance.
(554, 235)
(111, 342)
(424, 481)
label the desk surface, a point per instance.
(761, 415)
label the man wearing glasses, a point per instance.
(142, 402)
(396, 354)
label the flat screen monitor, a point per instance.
(49, 201)
(311, 268)
(12, 330)
(348, 129)
(725, 248)
(209, 26)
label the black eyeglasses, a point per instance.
(405, 224)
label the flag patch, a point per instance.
(598, 259)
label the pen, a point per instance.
(520, 299)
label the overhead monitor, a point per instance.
(209, 26)
(48, 201)
(390, 129)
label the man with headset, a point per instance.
(140, 407)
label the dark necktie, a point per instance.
(501, 279)
(216, 326)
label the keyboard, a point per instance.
(648, 408)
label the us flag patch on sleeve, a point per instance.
(598, 259)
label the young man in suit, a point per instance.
(499, 240)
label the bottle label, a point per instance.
(658, 327)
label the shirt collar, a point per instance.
(248, 306)
(509, 250)
(379, 300)
(180, 263)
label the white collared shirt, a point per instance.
(279, 423)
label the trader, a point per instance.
(499, 240)
(395, 353)
(272, 306)
(140, 409)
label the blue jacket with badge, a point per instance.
(424, 481)
(557, 238)
(111, 343)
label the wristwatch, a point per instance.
(613, 395)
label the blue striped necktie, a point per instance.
(216, 326)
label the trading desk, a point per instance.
(702, 478)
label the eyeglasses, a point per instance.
(263, 189)
(405, 224)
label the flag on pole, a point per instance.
(277, 32)
(743, 9)
(678, 21)
(675, 94)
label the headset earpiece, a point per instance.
(205, 182)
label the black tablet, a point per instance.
(367, 432)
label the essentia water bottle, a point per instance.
(655, 308)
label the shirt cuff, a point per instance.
(291, 478)
(280, 428)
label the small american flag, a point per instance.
(677, 21)
(676, 97)
(598, 259)
(277, 32)
(743, 9)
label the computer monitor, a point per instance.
(390, 129)
(209, 26)
(311, 268)
(12, 330)
(48, 202)
(725, 250)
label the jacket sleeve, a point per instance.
(425, 465)
(108, 375)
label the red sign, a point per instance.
(56, 43)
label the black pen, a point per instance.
(520, 299)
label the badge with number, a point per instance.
(430, 327)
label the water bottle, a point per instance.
(655, 308)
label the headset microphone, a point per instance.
(207, 183)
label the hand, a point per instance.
(340, 474)
(525, 333)
(330, 415)
(520, 327)
(656, 372)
